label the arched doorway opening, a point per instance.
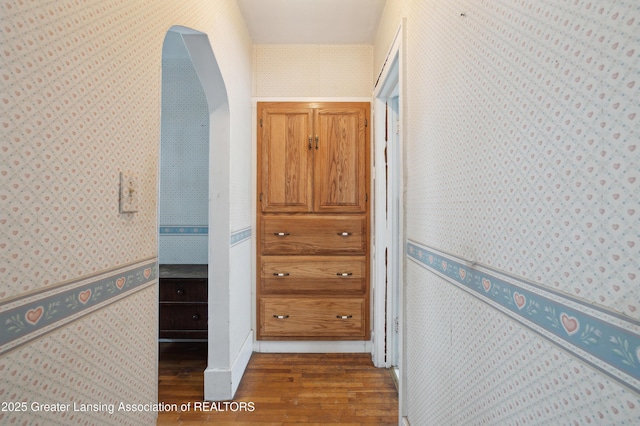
(194, 46)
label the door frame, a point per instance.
(390, 84)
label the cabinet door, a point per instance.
(286, 155)
(340, 178)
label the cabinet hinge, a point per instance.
(261, 196)
(366, 198)
(366, 123)
(261, 122)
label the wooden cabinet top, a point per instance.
(188, 271)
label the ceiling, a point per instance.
(312, 21)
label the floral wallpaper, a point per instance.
(522, 210)
(80, 104)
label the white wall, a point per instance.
(314, 71)
(522, 202)
(81, 103)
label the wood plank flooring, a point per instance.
(280, 389)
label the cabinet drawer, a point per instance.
(313, 274)
(183, 316)
(313, 235)
(326, 318)
(183, 290)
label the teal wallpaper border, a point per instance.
(183, 230)
(190, 230)
(33, 315)
(608, 341)
(240, 236)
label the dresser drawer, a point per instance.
(326, 318)
(313, 274)
(183, 318)
(183, 290)
(313, 235)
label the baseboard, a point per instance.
(350, 346)
(395, 374)
(222, 384)
(242, 360)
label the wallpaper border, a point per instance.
(240, 236)
(607, 341)
(183, 230)
(33, 315)
(190, 230)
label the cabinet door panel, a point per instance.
(340, 159)
(286, 159)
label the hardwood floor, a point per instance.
(280, 389)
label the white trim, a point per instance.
(300, 346)
(217, 384)
(391, 75)
(221, 384)
(241, 362)
(378, 225)
(391, 54)
(390, 78)
(402, 397)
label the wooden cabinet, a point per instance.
(313, 221)
(183, 302)
(313, 157)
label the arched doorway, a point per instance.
(219, 383)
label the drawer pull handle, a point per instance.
(281, 274)
(345, 234)
(195, 317)
(344, 274)
(179, 292)
(281, 234)
(281, 316)
(344, 316)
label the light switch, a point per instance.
(128, 193)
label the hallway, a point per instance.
(280, 389)
(516, 133)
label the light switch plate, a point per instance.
(128, 193)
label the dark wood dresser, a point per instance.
(183, 302)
